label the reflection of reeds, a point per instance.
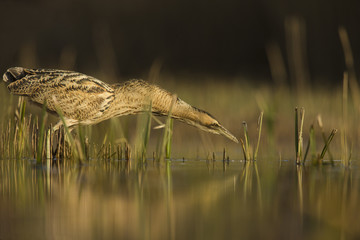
(132, 201)
(247, 176)
(162, 205)
(311, 146)
(299, 173)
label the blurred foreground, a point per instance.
(178, 200)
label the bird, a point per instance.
(85, 100)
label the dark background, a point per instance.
(220, 38)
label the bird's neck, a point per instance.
(135, 96)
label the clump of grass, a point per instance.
(327, 143)
(23, 137)
(311, 146)
(78, 151)
(317, 159)
(21, 129)
(246, 147)
(14, 141)
(320, 124)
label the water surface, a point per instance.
(178, 199)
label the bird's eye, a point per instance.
(214, 125)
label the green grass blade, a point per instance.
(260, 120)
(300, 137)
(330, 138)
(22, 128)
(169, 140)
(311, 132)
(143, 133)
(247, 144)
(40, 143)
(167, 130)
(319, 120)
(296, 132)
(312, 144)
(243, 148)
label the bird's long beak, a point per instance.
(223, 131)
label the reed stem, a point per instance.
(260, 120)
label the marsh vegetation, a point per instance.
(143, 177)
(114, 178)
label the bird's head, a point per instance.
(13, 74)
(208, 123)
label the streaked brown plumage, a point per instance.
(86, 100)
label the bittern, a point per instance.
(86, 100)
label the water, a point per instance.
(178, 200)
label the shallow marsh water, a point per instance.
(178, 199)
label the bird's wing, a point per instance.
(77, 96)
